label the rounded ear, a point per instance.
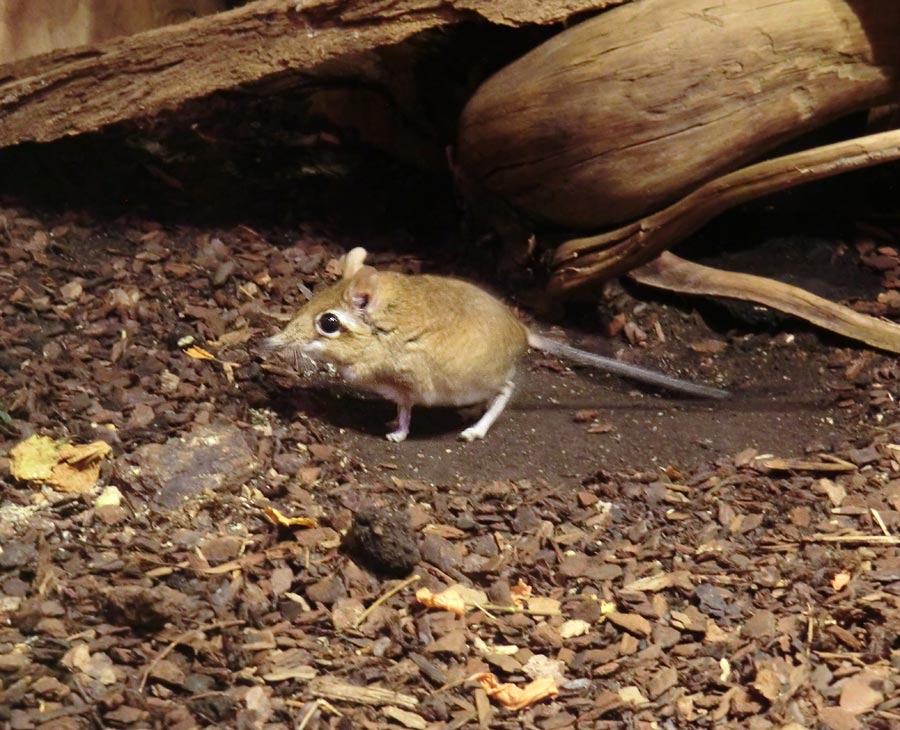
(362, 294)
(353, 261)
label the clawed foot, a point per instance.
(398, 435)
(472, 433)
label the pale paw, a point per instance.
(397, 436)
(472, 433)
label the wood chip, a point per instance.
(336, 689)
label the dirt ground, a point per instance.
(691, 563)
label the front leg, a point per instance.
(480, 429)
(404, 415)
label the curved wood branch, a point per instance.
(622, 114)
(583, 261)
(673, 273)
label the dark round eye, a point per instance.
(328, 324)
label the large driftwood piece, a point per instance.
(670, 272)
(581, 261)
(82, 89)
(32, 27)
(626, 112)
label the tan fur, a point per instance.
(427, 340)
(430, 340)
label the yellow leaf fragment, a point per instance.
(840, 580)
(520, 593)
(71, 468)
(198, 353)
(514, 697)
(34, 458)
(277, 518)
(448, 600)
(79, 466)
(74, 454)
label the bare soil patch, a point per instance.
(702, 563)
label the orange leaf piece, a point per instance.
(448, 600)
(198, 353)
(278, 518)
(520, 593)
(840, 580)
(514, 697)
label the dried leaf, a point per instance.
(277, 518)
(840, 580)
(71, 468)
(520, 593)
(514, 697)
(198, 353)
(448, 600)
(34, 458)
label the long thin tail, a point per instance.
(620, 368)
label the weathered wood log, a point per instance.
(628, 111)
(582, 261)
(83, 89)
(672, 273)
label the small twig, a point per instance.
(384, 597)
(325, 704)
(180, 639)
(481, 607)
(877, 516)
(854, 539)
(512, 609)
(844, 656)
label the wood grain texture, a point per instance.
(672, 273)
(84, 88)
(582, 261)
(629, 111)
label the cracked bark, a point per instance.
(81, 89)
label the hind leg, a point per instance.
(480, 429)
